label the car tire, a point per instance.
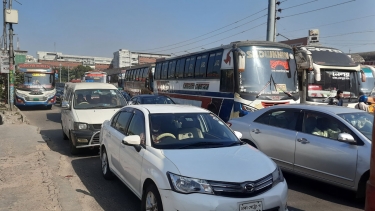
(151, 198)
(73, 149)
(106, 171)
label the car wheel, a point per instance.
(65, 137)
(73, 149)
(151, 199)
(106, 171)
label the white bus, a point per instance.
(231, 80)
(331, 70)
(95, 76)
(38, 87)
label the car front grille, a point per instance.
(242, 190)
(95, 139)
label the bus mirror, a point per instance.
(317, 73)
(303, 62)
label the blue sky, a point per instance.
(101, 27)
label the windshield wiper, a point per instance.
(234, 144)
(42, 86)
(201, 144)
(285, 92)
(265, 86)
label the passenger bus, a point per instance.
(229, 80)
(331, 70)
(139, 79)
(367, 86)
(95, 76)
(38, 87)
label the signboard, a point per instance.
(4, 62)
(296, 42)
(34, 66)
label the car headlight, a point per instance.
(80, 126)
(21, 95)
(183, 184)
(277, 177)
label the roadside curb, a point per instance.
(23, 116)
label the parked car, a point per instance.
(327, 143)
(180, 157)
(84, 109)
(150, 99)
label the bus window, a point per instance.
(140, 76)
(180, 69)
(145, 73)
(216, 71)
(164, 73)
(191, 67)
(186, 71)
(203, 66)
(172, 69)
(157, 71)
(211, 64)
(131, 75)
(197, 66)
(226, 81)
(137, 74)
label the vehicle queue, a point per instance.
(229, 154)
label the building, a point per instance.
(57, 58)
(126, 58)
(369, 57)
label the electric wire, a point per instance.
(206, 33)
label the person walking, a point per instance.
(337, 100)
(362, 103)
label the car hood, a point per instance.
(229, 164)
(95, 116)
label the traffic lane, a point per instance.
(109, 194)
(307, 194)
(304, 194)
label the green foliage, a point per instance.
(74, 73)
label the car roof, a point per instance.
(332, 109)
(169, 108)
(149, 95)
(92, 85)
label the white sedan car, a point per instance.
(178, 157)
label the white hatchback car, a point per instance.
(179, 157)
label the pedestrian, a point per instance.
(337, 100)
(362, 103)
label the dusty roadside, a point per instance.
(32, 176)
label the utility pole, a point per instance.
(271, 20)
(11, 68)
(60, 73)
(4, 26)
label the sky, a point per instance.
(101, 27)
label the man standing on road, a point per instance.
(338, 97)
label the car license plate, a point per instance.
(35, 99)
(251, 206)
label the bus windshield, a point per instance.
(330, 57)
(366, 87)
(331, 81)
(37, 81)
(268, 70)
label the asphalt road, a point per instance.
(304, 194)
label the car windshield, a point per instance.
(98, 99)
(362, 121)
(156, 100)
(190, 130)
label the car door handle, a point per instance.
(303, 141)
(256, 131)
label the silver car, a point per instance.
(328, 143)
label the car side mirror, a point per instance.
(238, 134)
(65, 105)
(347, 138)
(133, 140)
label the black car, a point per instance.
(150, 99)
